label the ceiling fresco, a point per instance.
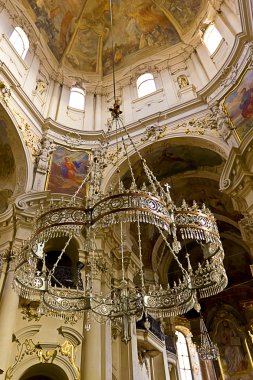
(78, 31)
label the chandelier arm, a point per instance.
(152, 178)
(122, 251)
(93, 264)
(117, 152)
(173, 253)
(140, 253)
(51, 272)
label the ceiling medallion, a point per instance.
(149, 204)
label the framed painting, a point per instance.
(238, 104)
(67, 171)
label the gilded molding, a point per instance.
(31, 140)
(29, 348)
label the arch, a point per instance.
(61, 366)
(207, 142)
(21, 154)
(68, 271)
(20, 41)
(44, 372)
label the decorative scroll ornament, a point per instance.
(29, 348)
(120, 209)
(207, 349)
(5, 92)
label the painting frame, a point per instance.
(237, 104)
(67, 170)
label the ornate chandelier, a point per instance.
(207, 349)
(114, 210)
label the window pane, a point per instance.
(212, 38)
(183, 357)
(188, 375)
(186, 363)
(19, 41)
(146, 88)
(145, 84)
(77, 98)
(143, 78)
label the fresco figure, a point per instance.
(231, 344)
(246, 104)
(70, 168)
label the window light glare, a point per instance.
(19, 41)
(183, 357)
(77, 98)
(212, 38)
(145, 84)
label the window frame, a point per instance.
(18, 37)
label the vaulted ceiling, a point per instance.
(78, 31)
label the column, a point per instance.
(54, 101)
(91, 366)
(8, 312)
(129, 357)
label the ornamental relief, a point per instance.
(66, 350)
(31, 140)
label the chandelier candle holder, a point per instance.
(207, 349)
(135, 205)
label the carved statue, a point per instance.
(47, 147)
(41, 86)
(223, 123)
(182, 81)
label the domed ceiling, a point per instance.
(78, 31)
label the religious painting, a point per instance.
(238, 104)
(230, 342)
(67, 171)
(183, 11)
(138, 27)
(56, 18)
(83, 54)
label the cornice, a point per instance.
(237, 51)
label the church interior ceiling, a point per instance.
(78, 32)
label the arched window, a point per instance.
(212, 38)
(183, 357)
(145, 84)
(77, 98)
(19, 41)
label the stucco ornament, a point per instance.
(224, 127)
(46, 148)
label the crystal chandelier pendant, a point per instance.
(207, 349)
